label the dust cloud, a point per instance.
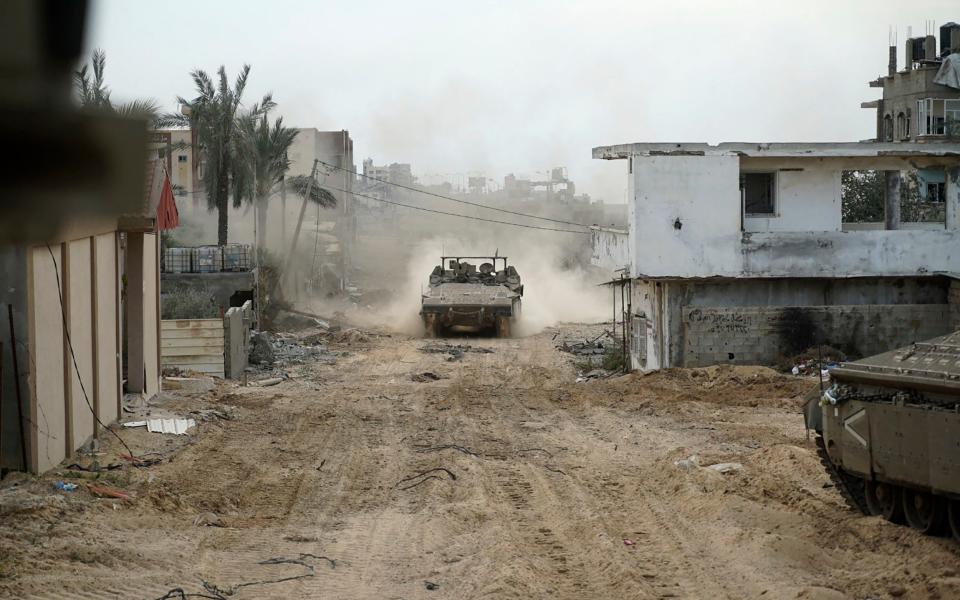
(559, 284)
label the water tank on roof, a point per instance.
(949, 38)
(915, 50)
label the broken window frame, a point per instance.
(933, 114)
(951, 116)
(773, 195)
(935, 192)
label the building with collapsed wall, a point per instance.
(738, 252)
(751, 253)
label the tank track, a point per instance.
(850, 486)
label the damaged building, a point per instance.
(921, 102)
(738, 252)
(752, 253)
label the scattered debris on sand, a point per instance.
(456, 351)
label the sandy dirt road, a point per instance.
(502, 479)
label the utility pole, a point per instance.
(296, 232)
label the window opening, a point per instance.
(757, 190)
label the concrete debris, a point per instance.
(595, 374)
(582, 348)
(267, 349)
(174, 426)
(591, 351)
(267, 382)
(261, 348)
(456, 352)
(208, 519)
(725, 467)
(689, 463)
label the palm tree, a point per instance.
(213, 115)
(265, 160)
(94, 94)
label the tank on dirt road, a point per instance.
(471, 293)
(889, 430)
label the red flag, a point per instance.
(167, 215)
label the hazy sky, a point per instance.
(522, 86)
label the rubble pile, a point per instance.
(456, 351)
(813, 361)
(590, 351)
(268, 349)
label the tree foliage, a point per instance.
(863, 196)
(214, 114)
(318, 195)
(265, 161)
(93, 93)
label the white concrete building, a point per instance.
(738, 252)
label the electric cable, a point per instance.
(66, 333)
(441, 212)
(428, 193)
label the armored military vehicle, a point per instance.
(889, 431)
(464, 296)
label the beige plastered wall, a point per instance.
(68, 388)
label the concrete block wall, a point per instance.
(762, 335)
(953, 299)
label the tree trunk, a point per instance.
(263, 204)
(223, 202)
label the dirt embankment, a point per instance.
(497, 477)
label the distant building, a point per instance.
(175, 148)
(381, 181)
(332, 233)
(556, 188)
(922, 101)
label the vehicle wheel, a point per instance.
(503, 327)
(923, 511)
(884, 499)
(953, 512)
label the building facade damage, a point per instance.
(753, 253)
(749, 260)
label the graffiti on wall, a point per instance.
(722, 322)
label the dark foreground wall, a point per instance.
(761, 322)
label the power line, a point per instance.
(428, 193)
(441, 212)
